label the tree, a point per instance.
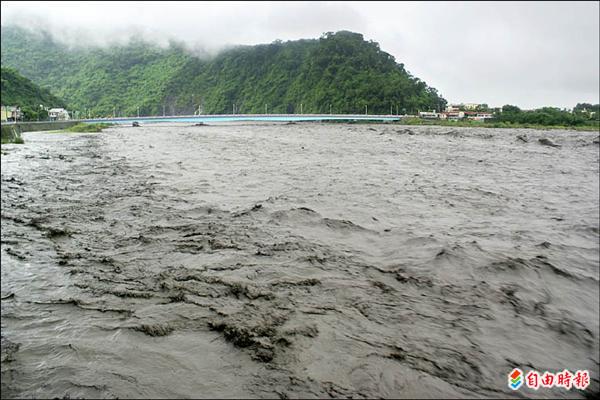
(510, 109)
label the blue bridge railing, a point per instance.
(247, 117)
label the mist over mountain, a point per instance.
(339, 72)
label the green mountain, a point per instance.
(339, 72)
(19, 91)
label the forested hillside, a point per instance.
(19, 91)
(339, 72)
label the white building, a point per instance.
(428, 115)
(452, 115)
(481, 116)
(58, 114)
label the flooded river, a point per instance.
(298, 260)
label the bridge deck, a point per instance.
(248, 117)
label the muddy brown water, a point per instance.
(306, 260)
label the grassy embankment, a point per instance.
(11, 134)
(17, 140)
(88, 128)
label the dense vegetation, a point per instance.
(19, 91)
(339, 72)
(586, 108)
(589, 126)
(549, 116)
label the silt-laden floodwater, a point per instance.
(298, 260)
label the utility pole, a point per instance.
(300, 108)
(390, 109)
(396, 109)
(163, 110)
(265, 109)
(138, 111)
(366, 108)
(114, 111)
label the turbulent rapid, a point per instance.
(298, 260)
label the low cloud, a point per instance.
(530, 54)
(208, 25)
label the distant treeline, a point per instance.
(582, 114)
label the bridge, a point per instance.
(247, 117)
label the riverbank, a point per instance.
(481, 124)
(11, 133)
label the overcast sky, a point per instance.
(529, 54)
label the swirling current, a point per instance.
(302, 260)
